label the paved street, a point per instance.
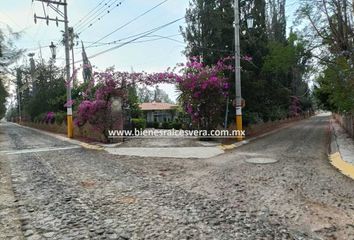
(50, 189)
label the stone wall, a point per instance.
(346, 121)
(260, 128)
(86, 132)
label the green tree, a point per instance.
(209, 32)
(50, 90)
(330, 32)
(335, 87)
(276, 20)
(133, 102)
(145, 94)
(8, 51)
(8, 55)
(3, 96)
(161, 96)
(279, 62)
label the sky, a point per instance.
(145, 55)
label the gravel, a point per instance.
(86, 194)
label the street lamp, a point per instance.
(53, 50)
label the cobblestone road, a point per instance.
(73, 193)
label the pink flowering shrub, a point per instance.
(295, 108)
(49, 117)
(204, 91)
(97, 110)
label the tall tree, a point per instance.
(133, 102)
(8, 51)
(50, 94)
(3, 96)
(276, 20)
(161, 96)
(8, 55)
(145, 94)
(330, 32)
(209, 32)
(268, 83)
(329, 27)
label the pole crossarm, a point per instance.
(56, 10)
(52, 2)
(46, 17)
(50, 19)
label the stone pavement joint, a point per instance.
(167, 152)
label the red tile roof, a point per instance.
(156, 106)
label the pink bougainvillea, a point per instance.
(49, 117)
(203, 92)
(97, 110)
(295, 107)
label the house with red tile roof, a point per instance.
(158, 111)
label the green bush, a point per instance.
(166, 125)
(60, 117)
(156, 125)
(41, 118)
(153, 125)
(176, 125)
(36, 119)
(251, 118)
(138, 123)
(278, 114)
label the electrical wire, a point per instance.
(101, 17)
(156, 37)
(129, 37)
(88, 14)
(134, 39)
(131, 21)
(96, 14)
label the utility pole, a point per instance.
(19, 107)
(18, 92)
(72, 36)
(32, 71)
(64, 15)
(68, 82)
(238, 99)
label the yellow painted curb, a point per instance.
(346, 168)
(90, 146)
(227, 147)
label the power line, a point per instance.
(156, 37)
(134, 39)
(83, 18)
(93, 13)
(129, 37)
(129, 22)
(97, 13)
(101, 17)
